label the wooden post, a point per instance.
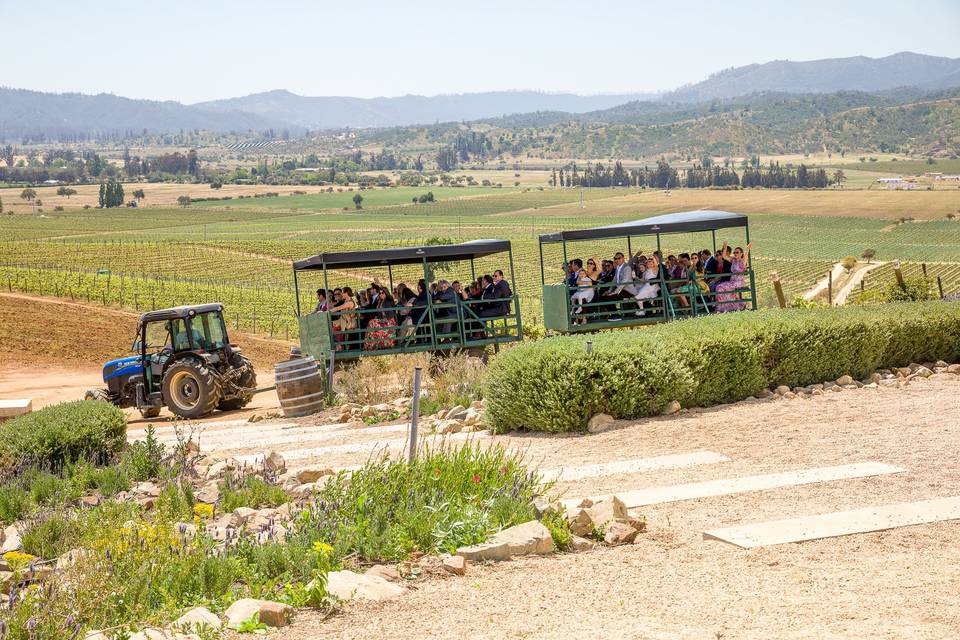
(923, 265)
(897, 272)
(830, 288)
(940, 286)
(778, 288)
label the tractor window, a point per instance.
(208, 330)
(158, 336)
(181, 340)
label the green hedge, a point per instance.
(67, 432)
(553, 385)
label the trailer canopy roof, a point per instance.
(404, 255)
(686, 221)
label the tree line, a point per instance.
(663, 176)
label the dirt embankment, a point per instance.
(53, 350)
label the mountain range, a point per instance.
(36, 115)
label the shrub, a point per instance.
(553, 385)
(143, 459)
(252, 492)
(63, 433)
(447, 497)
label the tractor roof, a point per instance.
(180, 312)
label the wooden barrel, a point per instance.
(299, 387)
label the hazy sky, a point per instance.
(203, 49)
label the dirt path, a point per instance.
(824, 283)
(674, 584)
(853, 281)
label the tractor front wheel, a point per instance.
(97, 394)
(190, 390)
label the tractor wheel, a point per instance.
(248, 380)
(97, 394)
(150, 412)
(190, 390)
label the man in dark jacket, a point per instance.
(502, 290)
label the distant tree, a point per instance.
(184, 201)
(28, 194)
(930, 160)
(849, 263)
(358, 201)
(139, 194)
(868, 255)
(66, 191)
(839, 177)
(216, 183)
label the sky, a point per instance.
(198, 50)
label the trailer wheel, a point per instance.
(97, 394)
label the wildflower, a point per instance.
(322, 547)
(475, 479)
(202, 510)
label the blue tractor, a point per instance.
(183, 360)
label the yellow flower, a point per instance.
(322, 547)
(18, 556)
(202, 510)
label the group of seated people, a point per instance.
(600, 288)
(376, 317)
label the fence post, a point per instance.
(589, 347)
(414, 414)
(778, 289)
(940, 286)
(897, 272)
(830, 288)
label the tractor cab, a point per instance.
(184, 361)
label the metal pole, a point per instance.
(414, 414)
(542, 279)
(296, 289)
(333, 355)
(390, 276)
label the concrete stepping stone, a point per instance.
(838, 523)
(712, 488)
(638, 465)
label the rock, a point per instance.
(471, 417)
(954, 369)
(836, 388)
(457, 565)
(817, 392)
(209, 492)
(385, 571)
(606, 511)
(347, 585)
(272, 614)
(851, 387)
(789, 395)
(579, 521)
(256, 418)
(476, 404)
(274, 463)
(902, 372)
(875, 378)
(447, 426)
(943, 376)
(456, 413)
(71, 558)
(6, 581)
(783, 390)
(367, 411)
(599, 423)
(345, 418)
(88, 501)
(618, 533)
(871, 385)
(523, 539)
(145, 489)
(923, 372)
(844, 380)
(282, 512)
(303, 491)
(216, 470)
(243, 515)
(580, 544)
(888, 383)
(672, 407)
(542, 505)
(196, 618)
(11, 539)
(312, 474)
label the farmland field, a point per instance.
(138, 258)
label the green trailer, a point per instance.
(675, 299)
(463, 324)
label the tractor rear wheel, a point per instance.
(248, 380)
(190, 389)
(97, 394)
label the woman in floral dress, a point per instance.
(726, 299)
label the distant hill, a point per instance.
(32, 114)
(904, 69)
(340, 112)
